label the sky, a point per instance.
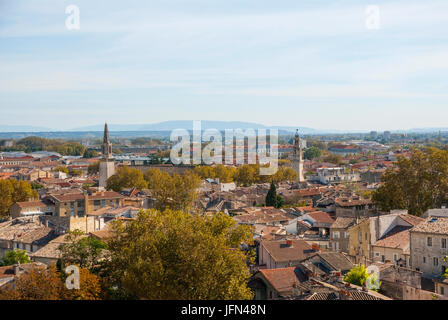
(309, 63)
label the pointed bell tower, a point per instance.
(107, 164)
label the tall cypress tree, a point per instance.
(271, 197)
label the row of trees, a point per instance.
(31, 144)
(174, 191)
(246, 174)
(12, 191)
(417, 183)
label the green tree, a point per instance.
(416, 184)
(90, 153)
(61, 169)
(177, 192)
(272, 198)
(13, 191)
(126, 177)
(176, 255)
(81, 250)
(333, 158)
(15, 256)
(312, 153)
(357, 276)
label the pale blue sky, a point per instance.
(294, 63)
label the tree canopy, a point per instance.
(176, 255)
(178, 192)
(14, 257)
(127, 177)
(49, 284)
(272, 198)
(416, 184)
(13, 191)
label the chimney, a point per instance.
(16, 269)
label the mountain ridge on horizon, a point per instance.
(205, 124)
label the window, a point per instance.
(436, 261)
(442, 290)
(424, 259)
(346, 234)
(336, 234)
(383, 258)
(444, 243)
(395, 257)
(429, 242)
(360, 237)
(377, 254)
(366, 235)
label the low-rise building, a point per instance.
(283, 253)
(339, 234)
(428, 246)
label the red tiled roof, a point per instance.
(282, 279)
(322, 217)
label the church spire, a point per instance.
(107, 146)
(106, 134)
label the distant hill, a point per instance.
(8, 128)
(188, 124)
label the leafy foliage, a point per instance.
(357, 275)
(177, 192)
(176, 255)
(81, 250)
(416, 184)
(272, 198)
(127, 177)
(312, 153)
(14, 257)
(13, 191)
(49, 284)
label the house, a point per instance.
(318, 221)
(353, 207)
(50, 253)
(326, 263)
(428, 246)
(26, 233)
(283, 253)
(78, 204)
(394, 246)
(335, 175)
(339, 234)
(369, 230)
(267, 216)
(441, 286)
(294, 284)
(28, 208)
(269, 284)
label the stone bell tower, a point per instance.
(107, 164)
(297, 158)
